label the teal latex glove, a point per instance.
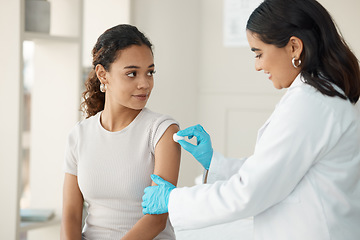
(156, 198)
(203, 151)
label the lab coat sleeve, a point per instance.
(222, 168)
(298, 134)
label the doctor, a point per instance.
(303, 179)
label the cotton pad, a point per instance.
(177, 138)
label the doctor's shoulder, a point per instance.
(306, 112)
(308, 97)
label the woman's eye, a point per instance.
(132, 74)
(151, 73)
(258, 56)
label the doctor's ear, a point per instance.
(101, 73)
(296, 45)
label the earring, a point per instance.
(293, 63)
(102, 87)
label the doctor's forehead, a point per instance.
(254, 42)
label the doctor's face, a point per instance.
(274, 61)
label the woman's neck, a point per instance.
(115, 120)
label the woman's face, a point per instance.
(129, 80)
(274, 61)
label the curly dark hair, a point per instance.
(104, 53)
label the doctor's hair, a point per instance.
(106, 50)
(326, 58)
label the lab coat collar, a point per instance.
(299, 80)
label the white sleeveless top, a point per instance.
(113, 169)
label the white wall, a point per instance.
(54, 111)
(346, 15)
(10, 99)
(174, 29)
(99, 16)
(234, 100)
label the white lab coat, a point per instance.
(302, 182)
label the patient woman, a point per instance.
(112, 153)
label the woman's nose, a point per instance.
(143, 83)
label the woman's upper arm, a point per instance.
(72, 209)
(72, 196)
(167, 156)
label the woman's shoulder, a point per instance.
(157, 125)
(156, 116)
(85, 124)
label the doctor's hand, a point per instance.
(156, 198)
(203, 151)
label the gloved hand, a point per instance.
(156, 198)
(203, 151)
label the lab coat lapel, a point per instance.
(297, 82)
(262, 129)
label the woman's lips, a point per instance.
(141, 97)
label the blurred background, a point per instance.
(205, 74)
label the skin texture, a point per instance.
(276, 62)
(72, 209)
(129, 83)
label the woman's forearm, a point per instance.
(70, 228)
(147, 228)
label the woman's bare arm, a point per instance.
(167, 164)
(72, 209)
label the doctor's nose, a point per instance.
(257, 66)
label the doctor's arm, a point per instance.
(288, 148)
(167, 164)
(222, 168)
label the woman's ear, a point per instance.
(297, 46)
(101, 73)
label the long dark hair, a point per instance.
(105, 53)
(326, 57)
